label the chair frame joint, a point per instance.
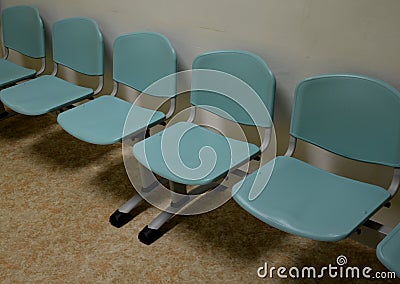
(394, 185)
(291, 147)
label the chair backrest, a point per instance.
(350, 115)
(141, 59)
(78, 45)
(23, 30)
(246, 66)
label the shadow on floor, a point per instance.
(61, 149)
(22, 126)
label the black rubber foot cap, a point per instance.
(118, 219)
(149, 236)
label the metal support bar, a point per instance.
(175, 207)
(137, 135)
(99, 86)
(6, 53)
(292, 146)
(266, 140)
(239, 173)
(203, 188)
(192, 114)
(55, 69)
(171, 108)
(160, 220)
(178, 187)
(130, 204)
(115, 89)
(42, 67)
(151, 187)
(378, 227)
(177, 200)
(146, 177)
(394, 185)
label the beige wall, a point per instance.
(297, 38)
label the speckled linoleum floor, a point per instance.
(56, 195)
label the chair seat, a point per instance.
(102, 120)
(11, 73)
(206, 156)
(42, 95)
(388, 251)
(307, 201)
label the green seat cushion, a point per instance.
(11, 73)
(101, 121)
(307, 201)
(388, 251)
(42, 95)
(205, 155)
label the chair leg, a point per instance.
(122, 215)
(152, 232)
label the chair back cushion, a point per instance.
(78, 45)
(141, 59)
(229, 98)
(23, 30)
(350, 115)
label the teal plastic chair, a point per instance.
(154, 153)
(77, 45)
(388, 251)
(353, 116)
(23, 32)
(139, 60)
